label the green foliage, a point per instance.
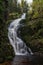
(24, 6)
(6, 49)
(32, 32)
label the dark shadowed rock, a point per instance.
(37, 58)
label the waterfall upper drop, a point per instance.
(19, 46)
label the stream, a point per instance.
(22, 55)
(19, 46)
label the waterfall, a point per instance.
(19, 46)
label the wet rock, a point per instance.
(1, 60)
(37, 58)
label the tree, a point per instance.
(37, 10)
(5, 47)
(12, 5)
(32, 33)
(19, 8)
(6, 10)
(3, 18)
(24, 6)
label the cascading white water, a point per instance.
(19, 46)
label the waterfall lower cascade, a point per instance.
(19, 46)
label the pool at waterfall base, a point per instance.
(24, 60)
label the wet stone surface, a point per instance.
(27, 60)
(24, 60)
(21, 60)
